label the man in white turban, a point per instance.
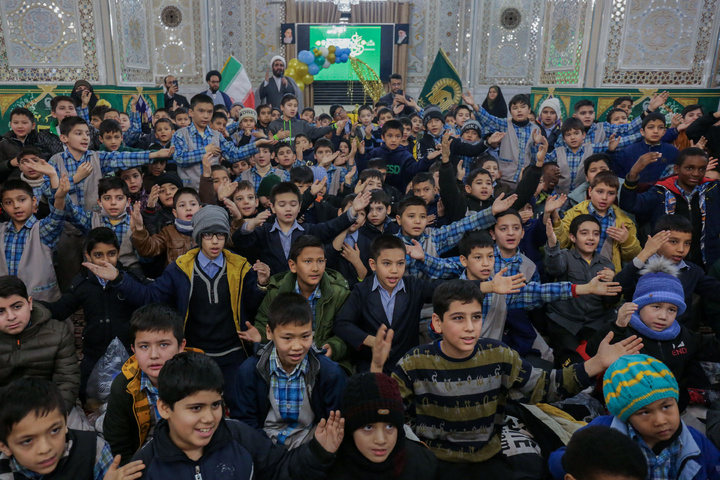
(275, 87)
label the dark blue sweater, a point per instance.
(626, 158)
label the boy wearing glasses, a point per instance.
(214, 290)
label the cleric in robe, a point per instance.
(277, 85)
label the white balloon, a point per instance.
(326, 64)
(324, 51)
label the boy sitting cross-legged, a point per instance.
(455, 388)
(289, 363)
(194, 440)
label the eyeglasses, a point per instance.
(210, 235)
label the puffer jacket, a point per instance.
(46, 350)
(169, 242)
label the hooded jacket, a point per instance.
(401, 165)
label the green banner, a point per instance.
(37, 99)
(443, 86)
(604, 98)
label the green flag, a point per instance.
(443, 86)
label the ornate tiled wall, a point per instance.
(566, 33)
(657, 42)
(132, 41)
(507, 48)
(49, 41)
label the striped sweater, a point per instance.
(457, 406)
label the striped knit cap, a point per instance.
(635, 381)
(370, 398)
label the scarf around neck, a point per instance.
(184, 226)
(646, 332)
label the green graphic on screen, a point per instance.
(363, 41)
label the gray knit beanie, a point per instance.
(210, 219)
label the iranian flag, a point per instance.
(236, 83)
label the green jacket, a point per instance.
(333, 293)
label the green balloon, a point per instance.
(320, 61)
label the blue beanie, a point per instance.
(635, 381)
(659, 283)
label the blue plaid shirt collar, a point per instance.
(151, 391)
(27, 225)
(278, 370)
(194, 131)
(312, 299)
(610, 213)
(16, 467)
(662, 466)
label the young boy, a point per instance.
(652, 131)
(262, 168)
(288, 363)
(275, 239)
(193, 142)
(618, 235)
(264, 117)
(573, 151)
(156, 217)
(574, 321)
(33, 344)
(181, 117)
(194, 438)
(617, 116)
(430, 145)
(156, 336)
(292, 125)
(381, 166)
(325, 290)
(592, 165)
(687, 193)
(378, 220)
(672, 239)
(29, 159)
(351, 250)
(456, 388)
(550, 120)
(22, 133)
(212, 288)
(174, 240)
(106, 314)
(247, 127)
(598, 132)
(28, 243)
(36, 443)
(218, 122)
(642, 396)
(308, 114)
(286, 160)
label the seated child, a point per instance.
(275, 239)
(133, 177)
(614, 456)
(33, 344)
(36, 443)
(247, 120)
(456, 388)
(289, 363)
(156, 217)
(308, 114)
(380, 165)
(378, 215)
(688, 192)
(28, 243)
(106, 314)
(174, 240)
(351, 250)
(132, 414)
(181, 117)
(657, 301)
(32, 170)
(190, 387)
(641, 394)
(653, 129)
(325, 289)
(375, 445)
(618, 235)
(262, 168)
(592, 165)
(22, 134)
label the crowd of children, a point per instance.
(393, 292)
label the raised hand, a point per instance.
(351, 254)
(642, 162)
(106, 270)
(252, 334)
(654, 243)
(83, 171)
(153, 196)
(445, 147)
(460, 171)
(550, 232)
(64, 187)
(507, 285)
(625, 314)
(468, 99)
(133, 102)
(166, 152)
(607, 354)
(85, 98)
(213, 149)
(712, 164)
(328, 350)
(658, 100)
(434, 154)
(263, 272)
(536, 136)
(676, 121)
(501, 203)
(252, 223)
(542, 150)
(360, 202)
(613, 142)
(41, 166)
(415, 251)
(381, 347)
(232, 208)
(317, 186)
(495, 139)
(555, 202)
(136, 219)
(398, 109)
(207, 162)
(329, 433)
(700, 143)
(597, 286)
(619, 234)
(350, 175)
(225, 190)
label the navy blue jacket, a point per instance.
(401, 165)
(251, 403)
(626, 158)
(269, 242)
(236, 451)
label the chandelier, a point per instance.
(343, 5)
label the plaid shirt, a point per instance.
(495, 124)
(574, 159)
(533, 295)
(663, 466)
(151, 392)
(130, 136)
(257, 178)
(83, 220)
(187, 158)
(629, 133)
(607, 221)
(432, 267)
(103, 460)
(312, 300)
(447, 237)
(285, 174)
(289, 392)
(109, 162)
(50, 229)
(513, 264)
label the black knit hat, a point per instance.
(432, 112)
(371, 398)
(169, 177)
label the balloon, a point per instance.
(306, 57)
(344, 58)
(319, 61)
(300, 85)
(291, 72)
(301, 69)
(307, 79)
(316, 52)
(326, 64)
(294, 63)
(313, 69)
(332, 48)
(324, 51)
(331, 58)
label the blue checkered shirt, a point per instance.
(109, 162)
(83, 220)
(513, 265)
(431, 267)
(187, 158)
(50, 229)
(151, 392)
(257, 178)
(533, 295)
(663, 466)
(629, 133)
(103, 460)
(289, 392)
(285, 174)
(495, 124)
(574, 159)
(130, 136)
(447, 237)
(607, 221)
(312, 300)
